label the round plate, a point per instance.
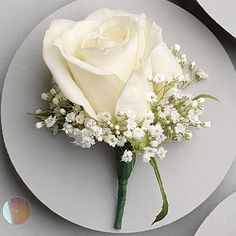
(222, 12)
(81, 185)
(222, 220)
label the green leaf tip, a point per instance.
(163, 213)
(165, 204)
(207, 96)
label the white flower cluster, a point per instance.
(172, 113)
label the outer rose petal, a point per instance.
(59, 68)
(102, 88)
(105, 13)
(134, 94)
(163, 61)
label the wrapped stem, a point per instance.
(124, 170)
(122, 191)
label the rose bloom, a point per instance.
(104, 61)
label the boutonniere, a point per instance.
(115, 80)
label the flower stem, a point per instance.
(122, 191)
(124, 170)
(165, 205)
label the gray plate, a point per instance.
(223, 12)
(80, 185)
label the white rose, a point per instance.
(102, 63)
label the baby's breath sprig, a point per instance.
(194, 74)
(172, 113)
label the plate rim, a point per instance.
(215, 18)
(212, 213)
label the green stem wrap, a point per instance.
(124, 170)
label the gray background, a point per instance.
(17, 19)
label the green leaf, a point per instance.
(165, 204)
(40, 115)
(207, 96)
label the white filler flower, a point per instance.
(127, 156)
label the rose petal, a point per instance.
(163, 61)
(102, 91)
(134, 94)
(149, 34)
(73, 38)
(57, 28)
(153, 36)
(102, 88)
(117, 60)
(105, 13)
(59, 68)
